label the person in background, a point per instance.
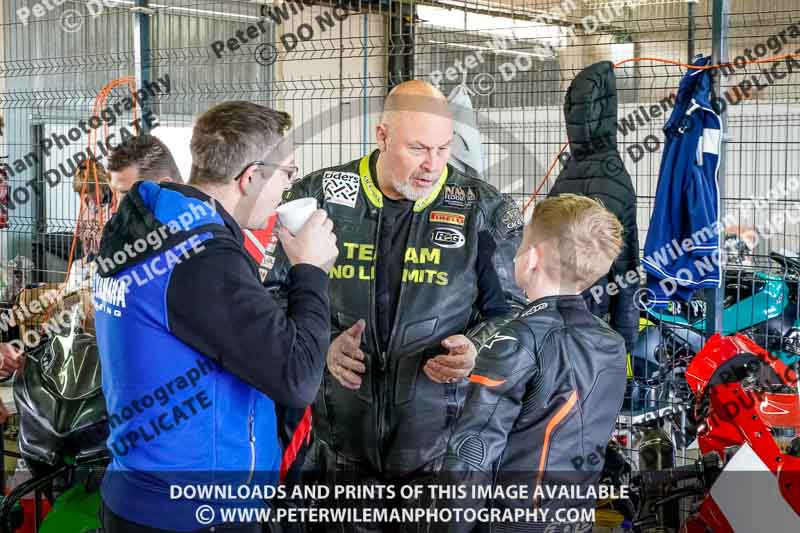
(548, 386)
(144, 157)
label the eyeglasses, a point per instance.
(292, 172)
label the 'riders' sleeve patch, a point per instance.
(341, 187)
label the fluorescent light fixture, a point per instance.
(496, 51)
(208, 12)
(602, 4)
(193, 10)
(476, 22)
(497, 8)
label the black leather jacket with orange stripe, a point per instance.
(542, 403)
(399, 419)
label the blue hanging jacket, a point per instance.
(681, 253)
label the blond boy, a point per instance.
(548, 386)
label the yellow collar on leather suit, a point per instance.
(375, 195)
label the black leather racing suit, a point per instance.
(541, 406)
(398, 421)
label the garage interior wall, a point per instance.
(333, 82)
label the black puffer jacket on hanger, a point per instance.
(594, 168)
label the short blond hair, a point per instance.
(586, 236)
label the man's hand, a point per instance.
(11, 360)
(455, 365)
(345, 358)
(315, 244)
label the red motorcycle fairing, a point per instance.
(720, 350)
(709, 518)
(737, 415)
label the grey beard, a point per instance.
(411, 193)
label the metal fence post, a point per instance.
(142, 54)
(719, 55)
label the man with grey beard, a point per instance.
(425, 272)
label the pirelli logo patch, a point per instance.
(445, 217)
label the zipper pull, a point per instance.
(383, 362)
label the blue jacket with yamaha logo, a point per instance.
(681, 253)
(195, 353)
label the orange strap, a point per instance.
(557, 418)
(483, 380)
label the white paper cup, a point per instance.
(293, 215)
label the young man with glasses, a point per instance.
(195, 358)
(258, 242)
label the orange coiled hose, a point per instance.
(99, 105)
